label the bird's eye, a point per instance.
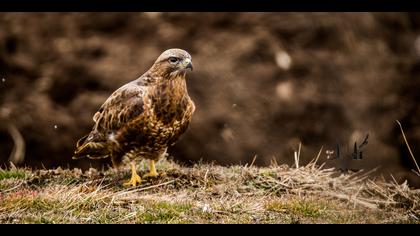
(173, 60)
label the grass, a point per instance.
(204, 194)
(12, 174)
(300, 208)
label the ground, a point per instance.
(204, 193)
(262, 83)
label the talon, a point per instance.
(153, 173)
(135, 178)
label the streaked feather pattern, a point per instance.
(145, 116)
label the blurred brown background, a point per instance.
(262, 82)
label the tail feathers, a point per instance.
(92, 150)
(90, 147)
(81, 141)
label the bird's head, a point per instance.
(172, 62)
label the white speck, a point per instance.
(55, 126)
(206, 208)
(234, 105)
(112, 137)
(329, 153)
(283, 60)
(3, 80)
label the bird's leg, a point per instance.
(152, 172)
(135, 178)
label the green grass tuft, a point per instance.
(164, 212)
(12, 174)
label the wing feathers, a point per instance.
(123, 105)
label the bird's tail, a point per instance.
(91, 147)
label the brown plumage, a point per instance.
(145, 116)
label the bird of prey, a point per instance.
(143, 117)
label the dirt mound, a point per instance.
(262, 82)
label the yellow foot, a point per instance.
(135, 178)
(153, 173)
(134, 181)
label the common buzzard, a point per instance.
(143, 117)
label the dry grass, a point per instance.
(204, 194)
(409, 149)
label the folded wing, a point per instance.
(125, 104)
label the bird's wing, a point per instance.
(125, 104)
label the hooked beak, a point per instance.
(188, 64)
